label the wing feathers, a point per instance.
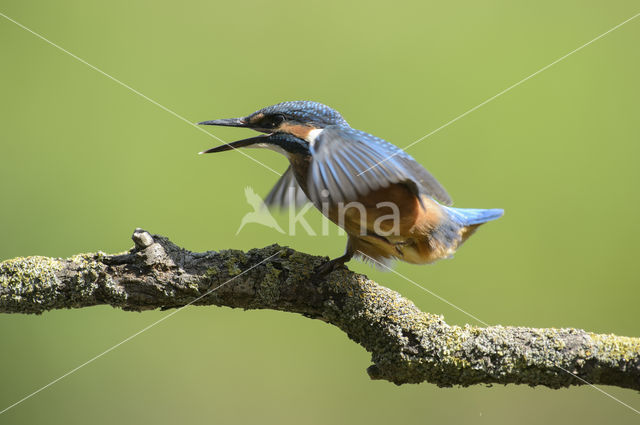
(340, 154)
(285, 191)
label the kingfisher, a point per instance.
(389, 205)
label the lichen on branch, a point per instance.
(406, 344)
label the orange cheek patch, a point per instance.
(301, 131)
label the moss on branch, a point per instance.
(406, 344)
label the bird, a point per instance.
(390, 206)
(259, 215)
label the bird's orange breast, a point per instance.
(392, 210)
(392, 224)
(388, 223)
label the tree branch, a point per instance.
(407, 345)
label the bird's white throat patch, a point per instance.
(313, 135)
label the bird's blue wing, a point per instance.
(348, 163)
(286, 192)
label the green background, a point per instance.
(84, 161)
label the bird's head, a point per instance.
(284, 123)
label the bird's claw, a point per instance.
(326, 268)
(323, 270)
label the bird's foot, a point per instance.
(324, 269)
(327, 267)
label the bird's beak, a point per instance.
(227, 122)
(238, 144)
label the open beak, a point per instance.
(238, 144)
(227, 122)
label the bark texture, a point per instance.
(406, 344)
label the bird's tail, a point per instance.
(473, 216)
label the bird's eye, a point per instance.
(273, 121)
